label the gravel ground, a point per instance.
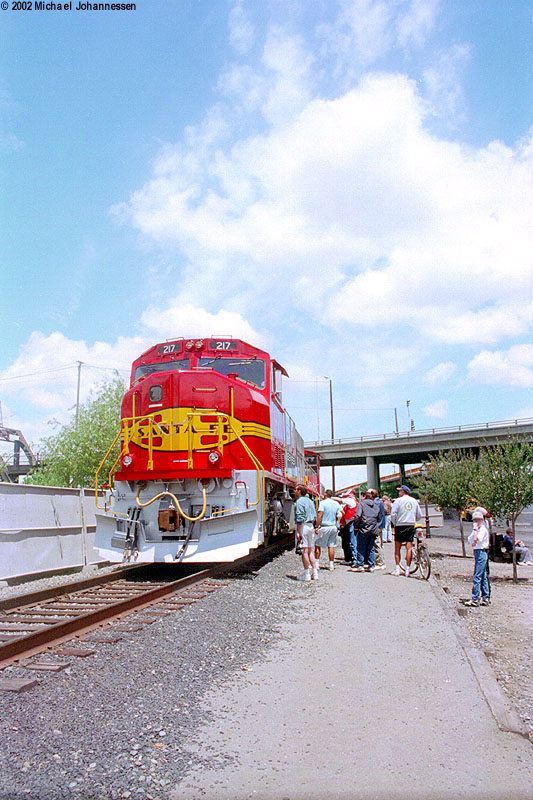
(115, 725)
(503, 630)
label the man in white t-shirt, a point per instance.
(405, 512)
(326, 527)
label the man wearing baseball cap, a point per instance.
(479, 539)
(405, 513)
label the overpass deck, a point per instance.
(413, 447)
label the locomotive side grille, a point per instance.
(278, 457)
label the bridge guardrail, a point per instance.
(425, 432)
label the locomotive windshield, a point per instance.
(163, 366)
(251, 370)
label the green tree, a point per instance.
(449, 482)
(71, 456)
(504, 483)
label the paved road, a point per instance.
(368, 695)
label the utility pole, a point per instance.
(79, 363)
(332, 427)
(408, 403)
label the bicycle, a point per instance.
(420, 559)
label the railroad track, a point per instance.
(40, 621)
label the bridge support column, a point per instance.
(372, 473)
(403, 478)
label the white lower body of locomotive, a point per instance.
(143, 524)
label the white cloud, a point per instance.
(439, 374)
(353, 192)
(241, 29)
(45, 373)
(187, 320)
(42, 382)
(513, 367)
(438, 409)
(364, 31)
(443, 87)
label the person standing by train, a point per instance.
(405, 512)
(379, 561)
(386, 533)
(348, 541)
(305, 516)
(326, 527)
(366, 523)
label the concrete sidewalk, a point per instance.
(368, 695)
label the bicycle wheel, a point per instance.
(414, 565)
(424, 563)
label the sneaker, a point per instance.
(472, 603)
(485, 601)
(305, 576)
(380, 566)
(372, 569)
(314, 575)
(397, 571)
(357, 569)
(332, 565)
(407, 570)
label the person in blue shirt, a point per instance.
(326, 527)
(305, 516)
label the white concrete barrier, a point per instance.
(45, 529)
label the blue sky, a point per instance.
(345, 183)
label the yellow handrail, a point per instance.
(192, 429)
(101, 464)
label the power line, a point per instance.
(62, 369)
(41, 372)
(112, 369)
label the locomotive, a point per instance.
(208, 456)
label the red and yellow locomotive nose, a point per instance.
(189, 420)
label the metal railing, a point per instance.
(481, 426)
(191, 423)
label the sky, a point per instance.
(344, 183)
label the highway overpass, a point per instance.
(413, 447)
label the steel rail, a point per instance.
(42, 595)
(43, 638)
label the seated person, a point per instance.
(523, 556)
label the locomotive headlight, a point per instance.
(127, 460)
(214, 457)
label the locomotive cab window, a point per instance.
(251, 370)
(155, 393)
(161, 366)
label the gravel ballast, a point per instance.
(132, 721)
(115, 725)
